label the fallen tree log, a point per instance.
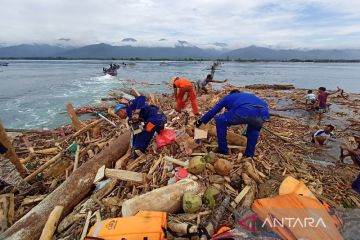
(232, 138)
(167, 199)
(68, 194)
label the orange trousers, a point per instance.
(181, 102)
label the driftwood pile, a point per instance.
(83, 173)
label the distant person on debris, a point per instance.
(354, 154)
(139, 112)
(322, 99)
(322, 136)
(242, 108)
(183, 90)
(310, 99)
(201, 84)
(9, 175)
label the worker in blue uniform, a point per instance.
(139, 112)
(242, 108)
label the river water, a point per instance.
(33, 93)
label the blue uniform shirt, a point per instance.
(234, 101)
(146, 111)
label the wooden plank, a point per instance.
(241, 148)
(32, 199)
(51, 223)
(86, 226)
(125, 175)
(76, 123)
(200, 133)
(76, 162)
(11, 154)
(100, 174)
(87, 127)
(240, 196)
(173, 160)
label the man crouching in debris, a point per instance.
(9, 174)
(144, 119)
(354, 154)
(322, 136)
(242, 108)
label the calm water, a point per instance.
(34, 93)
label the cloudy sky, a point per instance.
(239, 23)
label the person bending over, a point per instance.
(139, 112)
(242, 108)
(201, 84)
(353, 153)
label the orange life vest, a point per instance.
(144, 225)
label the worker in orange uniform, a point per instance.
(182, 87)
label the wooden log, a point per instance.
(216, 217)
(68, 194)
(27, 144)
(44, 166)
(251, 171)
(175, 161)
(250, 196)
(11, 154)
(167, 199)
(86, 226)
(36, 131)
(87, 127)
(232, 138)
(51, 223)
(182, 228)
(239, 197)
(76, 162)
(125, 175)
(76, 123)
(4, 208)
(47, 151)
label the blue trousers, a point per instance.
(356, 184)
(142, 140)
(253, 117)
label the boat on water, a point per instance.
(5, 64)
(110, 71)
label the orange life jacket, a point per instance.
(293, 217)
(144, 225)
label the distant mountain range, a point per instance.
(176, 50)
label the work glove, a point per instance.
(198, 123)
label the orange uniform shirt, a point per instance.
(182, 82)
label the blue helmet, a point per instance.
(119, 107)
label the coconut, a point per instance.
(210, 158)
(191, 202)
(197, 165)
(223, 167)
(210, 196)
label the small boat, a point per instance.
(4, 64)
(110, 71)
